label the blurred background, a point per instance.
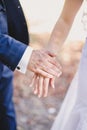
(35, 113)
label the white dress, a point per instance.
(73, 113)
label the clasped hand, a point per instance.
(45, 66)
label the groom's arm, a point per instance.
(11, 52)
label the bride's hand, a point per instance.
(41, 85)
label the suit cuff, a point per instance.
(23, 63)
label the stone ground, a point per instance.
(35, 113)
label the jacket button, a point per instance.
(19, 7)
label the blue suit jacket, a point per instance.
(13, 33)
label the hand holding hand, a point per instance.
(43, 62)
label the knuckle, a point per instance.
(46, 68)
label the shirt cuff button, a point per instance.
(18, 67)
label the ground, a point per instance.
(35, 113)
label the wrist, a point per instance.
(53, 47)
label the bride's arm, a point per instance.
(63, 24)
(58, 36)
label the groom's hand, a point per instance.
(43, 62)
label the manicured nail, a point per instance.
(35, 92)
(39, 96)
(53, 86)
(30, 85)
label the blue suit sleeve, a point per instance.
(11, 51)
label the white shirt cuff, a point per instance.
(23, 63)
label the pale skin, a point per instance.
(42, 62)
(58, 36)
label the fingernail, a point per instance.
(39, 96)
(53, 87)
(35, 92)
(30, 86)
